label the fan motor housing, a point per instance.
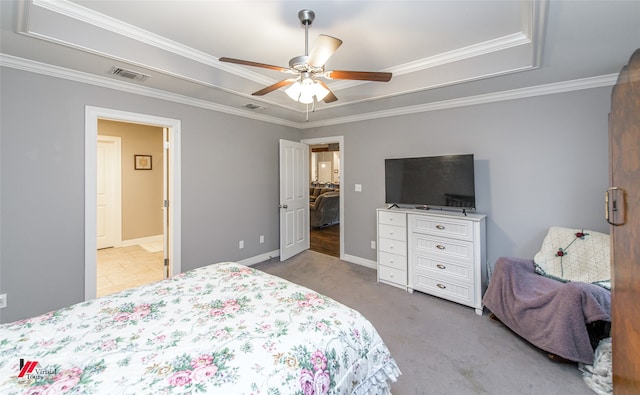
(299, 63)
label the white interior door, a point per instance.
(294, 198)
(108, 192)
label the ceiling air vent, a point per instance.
(129, 74)
(252, 106)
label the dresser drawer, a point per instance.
(426, 265)
(392, 232)
(392, 260)
(392, 218)
(444, 227)
(462, 293)
(393, 275)
(393, 246)
(447, 249)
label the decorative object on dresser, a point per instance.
(437, 252)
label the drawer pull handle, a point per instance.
(441, 266)
(440, 247)
(440, 227)
(441, 286)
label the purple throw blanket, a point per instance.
(549, 314)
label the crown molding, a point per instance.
(104, 82)
(514, 94)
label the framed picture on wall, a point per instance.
(142, 162)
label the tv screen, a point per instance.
(433, 181)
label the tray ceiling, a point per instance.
(438, 51)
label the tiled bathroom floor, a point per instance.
(127, 267)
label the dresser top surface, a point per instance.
(472, 216)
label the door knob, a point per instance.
(283, 206)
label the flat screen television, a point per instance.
(431, 182)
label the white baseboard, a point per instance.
(360, 261)
(260, 258)
(276, 253)
(142, 240)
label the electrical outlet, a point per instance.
(241, 244)
(373, 245)
(261, 239)
(3, 301)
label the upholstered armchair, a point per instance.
(560, 301)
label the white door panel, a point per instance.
(294, 198)
(108, 192)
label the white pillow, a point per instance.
(574, 255)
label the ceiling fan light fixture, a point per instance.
(294, 90)
(320, 91)
(305, 91)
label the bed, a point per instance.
(224, 328)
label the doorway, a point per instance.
(130, 187)
(171, 206)
(328, 239)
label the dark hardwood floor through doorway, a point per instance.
(326, 240)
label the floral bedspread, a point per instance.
(220, 329)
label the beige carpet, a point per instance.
(440, 346)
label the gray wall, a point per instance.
(539, 161)
(229, 186)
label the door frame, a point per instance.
(340, 141)
(92, 114)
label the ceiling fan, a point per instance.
(305, 87)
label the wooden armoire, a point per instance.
(623, 213)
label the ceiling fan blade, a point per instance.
(358, 75)
(330, 96)
(323, 49)
(254, 64)
(273, 87)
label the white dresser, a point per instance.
(392, 248)
(444, 253)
